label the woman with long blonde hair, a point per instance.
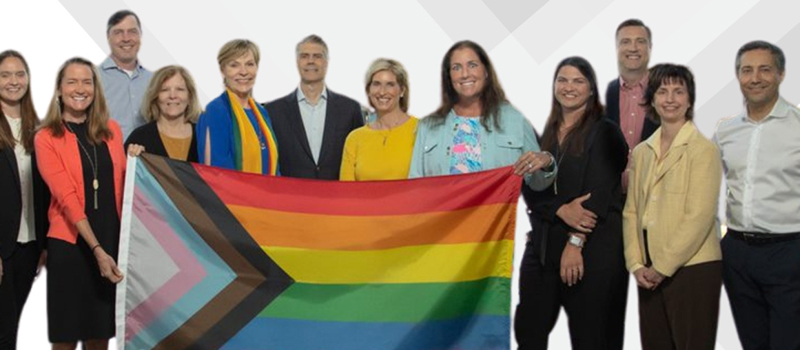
(80, 155)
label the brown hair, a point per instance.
(96, 115)
(666, 74)
(150, 108)
(27, 113)
(491, 96)
(593, 112)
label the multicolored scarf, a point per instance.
(247, 146)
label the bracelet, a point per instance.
(552, 159)
(95, 247)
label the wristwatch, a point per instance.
(576, 241)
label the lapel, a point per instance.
(676, 150)
(8, 152)
(328, 134)
(295, 120)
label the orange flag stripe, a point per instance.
(478, 224)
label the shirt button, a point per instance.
(630, 132)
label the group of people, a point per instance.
(627, 188)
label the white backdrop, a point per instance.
(525, 41)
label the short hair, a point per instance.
(667, 73)
(633, 22)
(150, 108)
(385, 64)
(312, 39)
(777, 54)
(119, 16)
(237, 48)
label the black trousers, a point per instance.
(763, 286)
(19, 271)
(595, 307)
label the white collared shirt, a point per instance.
(761, 161)
(313, 119)
(26, 228)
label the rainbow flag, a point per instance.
(217, 259)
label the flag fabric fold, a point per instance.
(217, 259)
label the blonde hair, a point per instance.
(237, 48)
(150, 109)
(96, 114)
(385, 64)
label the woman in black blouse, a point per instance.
(574, 256)
(171, 107)
(23, 217)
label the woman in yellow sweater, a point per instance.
(381, 150)
(670, 227)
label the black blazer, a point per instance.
(147, 136)
(596, 170)
(612, 110)
(295, 159)
(11, 212)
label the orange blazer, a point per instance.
(59, 162)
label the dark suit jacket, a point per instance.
(147, 136)
(612, 110)
(11, 212)
(342, 115)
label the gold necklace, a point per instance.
(93, 163)
(386, 130)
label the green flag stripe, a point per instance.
(412, 302)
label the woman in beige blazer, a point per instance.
(670, 229)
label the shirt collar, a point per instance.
(110, 64)
(301, 96)
(642, 83)
(779, 110)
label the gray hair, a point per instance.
(312, 39)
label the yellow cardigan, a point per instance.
(682, 226)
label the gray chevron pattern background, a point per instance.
(525, 39)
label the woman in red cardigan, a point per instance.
(80, 156)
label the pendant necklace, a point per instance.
(385, 133)
(559, 158)
(93, 163)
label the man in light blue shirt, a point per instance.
(124, 79)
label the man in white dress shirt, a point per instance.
(761, 157)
